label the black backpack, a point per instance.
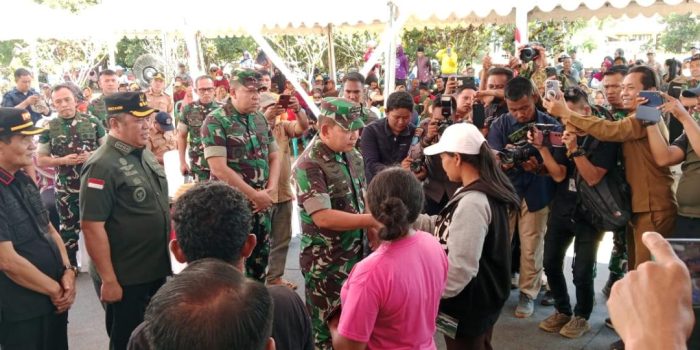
(607, 205)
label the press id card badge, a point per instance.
(447, 325)
(572, 185)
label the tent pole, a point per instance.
(390, 61)
(112, 49)
(521, 11)
(331, 54)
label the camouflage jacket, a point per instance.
(98, 109)
(190, 121)
(69, 136)
(329, 180)
(245, 140)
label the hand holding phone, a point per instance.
(654, 98)
(284, 101)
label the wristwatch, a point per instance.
(578, 153)
(72, 268)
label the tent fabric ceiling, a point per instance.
(139, 18)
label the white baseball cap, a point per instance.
(463, 138)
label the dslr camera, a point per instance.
(529, 53)
(550, 135)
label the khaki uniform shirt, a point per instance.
(162, 102)
(160, 142)
(281, 132)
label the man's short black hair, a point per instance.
(22, 72)
(355, 76)
(518, 88)
(501, 71)
(264, 72)
(201, 77)
(209, 305)
(617, 69)
(212, 220)
(399, 99)
(69, 87)
(649, 77)
(106, 72)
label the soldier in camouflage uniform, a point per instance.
(241, 151)
(66, 145)
(189, 130)
(109, 85)
(330, 182)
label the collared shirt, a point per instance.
(281, 131)
(244, 139)
(24, 223)
(14, 97)
(162, 102)
(651, 185)
(160, 142)
(329, 180)
(535, 189)
(190, 121)
(125, 188)
(381, 148)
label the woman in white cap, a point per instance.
(473, 230)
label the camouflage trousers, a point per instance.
(256, 264)
(199, 173)
(69, 216)
(322, 296)
(618, 256)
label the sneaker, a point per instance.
(608, 323)
(576, 327)
(618, 345)
(555, 322)
(526, 307)
(608, 287)
(547, 298)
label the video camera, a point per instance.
(529, 53)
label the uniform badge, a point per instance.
(139, 194)
(97, 184)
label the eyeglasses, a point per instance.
(202, 90)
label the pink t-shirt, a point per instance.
(390, 299)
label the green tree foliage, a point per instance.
(682, 30)
(128, 50)
(221, 51)
(70, 5)
(554, 35)
(470, 42)
(350, 47)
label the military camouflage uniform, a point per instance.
(618, 256)
(246, 142)
(98, 109)
(190, 121)
(328, 180)
(63, 137)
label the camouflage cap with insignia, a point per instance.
(246, 77)
(344, 112)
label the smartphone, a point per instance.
(648, 114)
(654, 98)
(284, 100)
(464, 81)
(551, 88)
(478, 115)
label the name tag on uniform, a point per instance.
(572, 185)
(447, 325)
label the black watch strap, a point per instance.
(72, 268)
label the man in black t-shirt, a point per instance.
(37, 282)
(581, 158)
(222, 232)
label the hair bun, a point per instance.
(393, 213)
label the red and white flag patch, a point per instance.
(97, 184)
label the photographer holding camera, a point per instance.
(492, 93)
(530, 63)
(523, 165)
(437, 186)
(588, 160)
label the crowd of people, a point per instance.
(419, 212)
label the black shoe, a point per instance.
(608, 323)
(618, 345)
(608, 287)
(547, 299)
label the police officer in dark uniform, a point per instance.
(37, 283)
(125, 216)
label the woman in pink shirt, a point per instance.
(390, 299)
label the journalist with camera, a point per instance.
(437, 186)
(580, 161)
(523, 165)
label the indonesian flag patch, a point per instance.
(97, 184)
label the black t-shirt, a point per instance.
(603, 156)
(24, 222)
(291, 326)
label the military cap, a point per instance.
(158, 75)
(690, 93)
(134, 103)
(246, 77)
(165, 121)
(15, 121)
(344, 112)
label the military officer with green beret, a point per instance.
(330, 182)
(125, 216)
(66, 145)
(241, 151)
(109, 84)
(189, 128)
